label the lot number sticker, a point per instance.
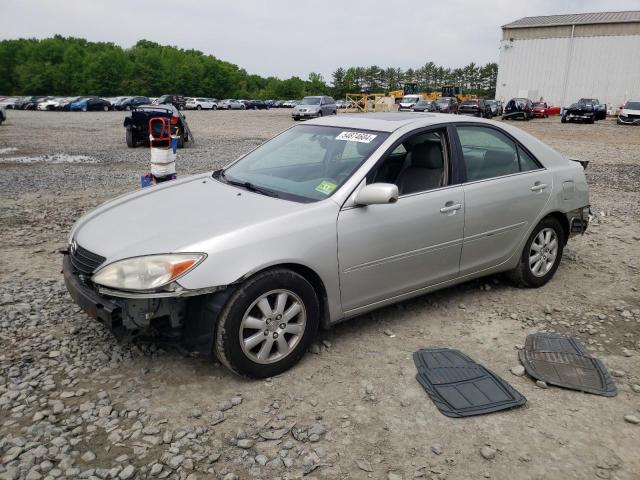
(326, 187)
(356, 137)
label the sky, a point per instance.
(283, 38)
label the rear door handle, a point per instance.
(450, 207)
(538, 187)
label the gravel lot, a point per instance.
(74, 403)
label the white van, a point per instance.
(408, 101)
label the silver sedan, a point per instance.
(326, 221)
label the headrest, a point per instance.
(500, 158)
(427, 155)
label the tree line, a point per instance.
(70, 66)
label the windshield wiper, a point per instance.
(246, 185)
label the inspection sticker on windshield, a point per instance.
(326, 187)
(356, 137)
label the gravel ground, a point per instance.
(74, 403)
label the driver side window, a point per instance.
(418, 164)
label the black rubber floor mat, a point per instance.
(564, 362)
(460, 387)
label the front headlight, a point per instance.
(148, 272)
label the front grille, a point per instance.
(84, 261)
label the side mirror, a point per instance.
(377, 193)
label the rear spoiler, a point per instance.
(584, 163)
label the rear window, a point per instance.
(473, 103)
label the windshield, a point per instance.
(632, 106)
(305, 163)
(538, 104)
(409, 99)
(310, 101)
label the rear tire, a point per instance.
(256, 307)
(199, 107)
(547, 241)
(132, 142)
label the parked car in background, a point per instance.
(289, 103)
(314, 106)
(599, 109)
(90, 103)
(408, 101)
(133, 102)
(116, 102)
(66, 103)
(231, 104)
(543, 110)
(476, 107)
(8, 102)
(518, 108)
(137, 124)
(579, 112)
(277, 104)
(199, 103)
(29, 103)
(255, 105)
(50, 104)
(303, 245)
(447, 104)
(496, 107)
(424, 106)
(630, 113)
(171, 99)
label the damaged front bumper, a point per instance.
(130, 315)
(626, 120)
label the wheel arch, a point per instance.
(310, 276)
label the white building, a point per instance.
(562, 58)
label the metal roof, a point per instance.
(576, 19)
(389, 121)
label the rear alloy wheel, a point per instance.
(541, 255)
(105, 108)
(267, 324)
(199, 107)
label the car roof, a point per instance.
(389, 122)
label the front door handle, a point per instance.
(450, 207)
(538, 187)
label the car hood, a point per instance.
(188, 215)
(305, 107)
(581, 107)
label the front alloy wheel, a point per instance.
(272, 326)
(267, 323)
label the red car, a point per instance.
(542, 110)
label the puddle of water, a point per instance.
(53, 158)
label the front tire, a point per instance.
(199, 107)
(267, 324)
(541, 254)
